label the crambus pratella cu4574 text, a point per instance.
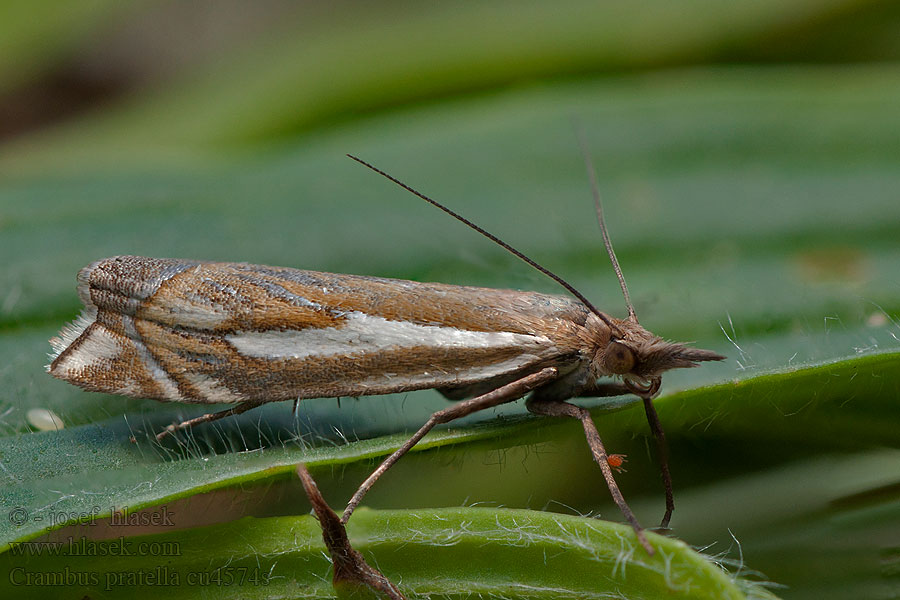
(209, 333)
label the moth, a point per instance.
(242, 334)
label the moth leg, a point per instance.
(662, 449)
(618, 389)
(605, 390)
(507, 393)
(555, 408)
(240, 408)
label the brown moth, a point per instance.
(243, 334)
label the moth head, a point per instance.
(641, 357)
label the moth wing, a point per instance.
(231, 332)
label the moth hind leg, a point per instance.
(207, 418)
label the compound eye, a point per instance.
(619, 358)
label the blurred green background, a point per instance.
(749, 158)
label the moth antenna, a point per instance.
(598, 205)
(571, 289)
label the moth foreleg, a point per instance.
(663, 449)
(507, 393)
(240, 408)
(554, 408)
(604, 390)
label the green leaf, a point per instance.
(448, 553)
(119, 472)
(755, 206)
